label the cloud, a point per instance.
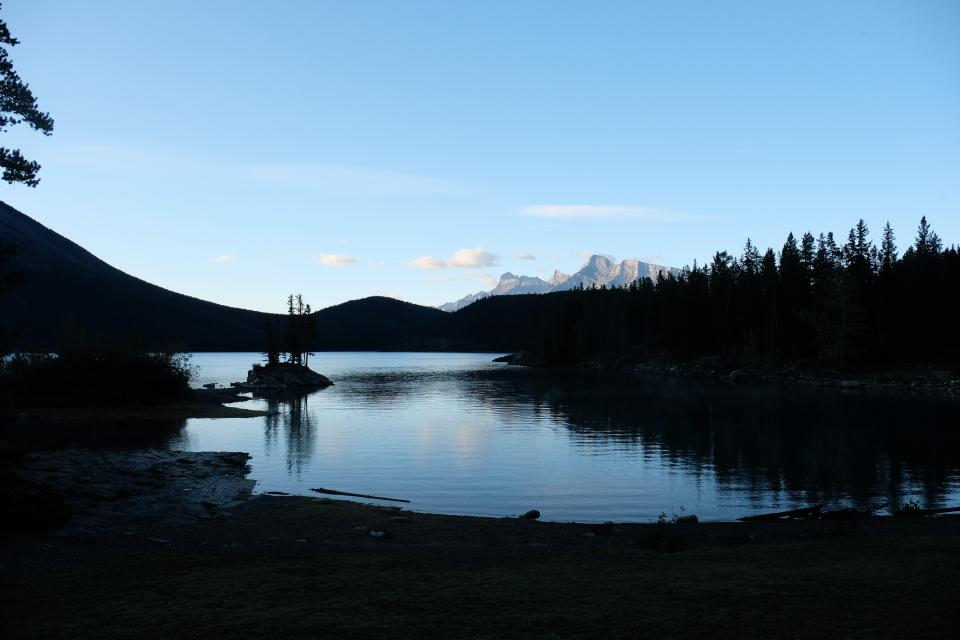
(426, 262)
(335, 259)
(524, 256)
(376, 264)
(473, 259)
(230, 257)
(462, 259)
(595, 211)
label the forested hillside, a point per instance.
(816, 301)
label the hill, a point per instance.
(65, 281)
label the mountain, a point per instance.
(599, 270)
(67, 282)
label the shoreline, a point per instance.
(914, 380)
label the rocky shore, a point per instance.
(108, 491)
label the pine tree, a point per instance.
(750, 260)
(17, 104)
(927, 242)
(272, 344)
(888, 250)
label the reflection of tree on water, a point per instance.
(289, 418)
(767, 441)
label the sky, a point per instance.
(239, 151)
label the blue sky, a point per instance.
(237, 151)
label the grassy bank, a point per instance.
(304, 568)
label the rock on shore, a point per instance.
(110, 490)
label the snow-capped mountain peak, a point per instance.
(598, 270)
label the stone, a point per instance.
(533, 514)
(286, 375)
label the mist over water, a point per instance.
(455, 433)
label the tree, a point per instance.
(301, 330)
(750, 260)
(888, 250)
(18, 105)
(273, 345)
(927, 243)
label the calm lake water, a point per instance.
(456, 433)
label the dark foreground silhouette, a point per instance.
(297, 567)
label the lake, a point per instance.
(456, 433)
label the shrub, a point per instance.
(84, 373)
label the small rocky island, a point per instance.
(283, 375)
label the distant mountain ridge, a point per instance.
(599, 270)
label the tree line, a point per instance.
(817, 301)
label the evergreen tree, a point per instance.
(750, 260)
(301, 330)
(272, 344)
(927, 243)
(888, 250)
(18, 105)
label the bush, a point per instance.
(87, 374)
(663, 537)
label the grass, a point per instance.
(900, 584)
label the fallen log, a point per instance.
(851, 513)
(805, 512)
(925, 512)
(334, 492)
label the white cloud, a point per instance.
(230, 257)
(595, 211)
(426, 262)
(335, 259)
(524, 256)
(376, 264)
(462, 259)
(341, 241)
(473, 259)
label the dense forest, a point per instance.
(817, 302)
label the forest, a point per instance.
(816, 302)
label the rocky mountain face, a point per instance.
(599, 270)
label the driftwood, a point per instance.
(852, 513)
(925, 512)
(334, 492)
(806, 512)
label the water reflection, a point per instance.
(809, 444)
(289, 426)
(460, 435)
